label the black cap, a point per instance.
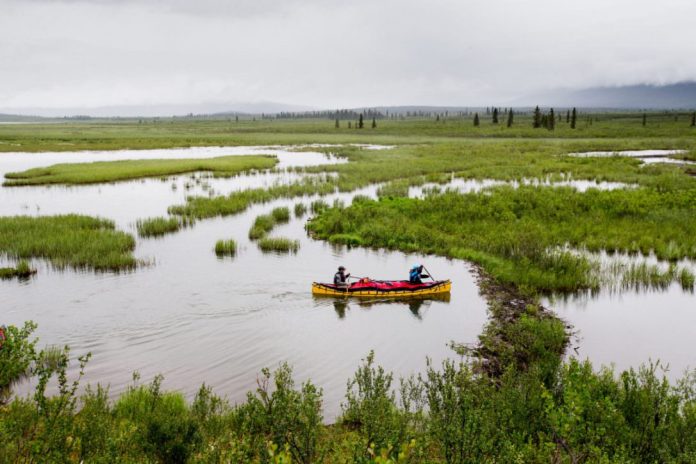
(341, 268)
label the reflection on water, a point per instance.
(414, 304)
(475, 185)
(196, 318)
(630, 328)
(646, 156)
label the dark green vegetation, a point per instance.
(226, 247)
(551, 412)
(22, 270)
(112, 171)
(156, 227)
(279, 245)
(68, 241)
(518, 235)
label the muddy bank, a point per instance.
(520, 330)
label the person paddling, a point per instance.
(341, 277)
(416, 274)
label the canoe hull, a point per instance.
(437, 288)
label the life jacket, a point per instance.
(414, 274)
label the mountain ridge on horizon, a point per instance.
(680, 95)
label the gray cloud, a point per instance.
(330, 53)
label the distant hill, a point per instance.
(673, 96)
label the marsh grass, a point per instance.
(317, 206)
(300, 210)
(643, 276)
(281, 215)
(159, 226)
(262, 225)
(278, 245)
(237, 202)
(68, 241)
(226, 247)
(515, 234)
(171, 133)
(22, 270)
(112, 171)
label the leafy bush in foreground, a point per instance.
(451, 414)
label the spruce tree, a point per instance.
(537, 118)
(551, 120)
(236, 118)
(645, 119)
(374, 123)
(349, 125)
(476, 120)
(495, 115)
(509, 121)
(568, 117)
(573, 118)
(360, 121)
(337, 126)
(693, 119)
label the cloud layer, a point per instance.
(331, 53)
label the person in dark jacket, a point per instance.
(416, 274)
(341, 277)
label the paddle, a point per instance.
(429, 274)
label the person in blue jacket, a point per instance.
(416, 274)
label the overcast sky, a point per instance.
(331, 53)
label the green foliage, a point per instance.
(163, 424)
(371, 408)
(69, 240)
(225, 247)
(457, 420)
(112, 171)
(284, 416)
(17, 353)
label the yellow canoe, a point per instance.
(384, 289)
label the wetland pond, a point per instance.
(194, 317)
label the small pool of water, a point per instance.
(474, 185)
(646, 156)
